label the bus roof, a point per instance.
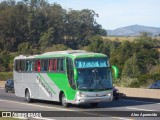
(69, 53)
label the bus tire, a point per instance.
(94, 104)
(63, 101)
(27, 96)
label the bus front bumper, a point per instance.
(93, 99)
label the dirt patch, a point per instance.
(2, 83)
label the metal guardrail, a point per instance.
(140, 92)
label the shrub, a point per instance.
(6, 75)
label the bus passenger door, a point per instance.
(70, 75)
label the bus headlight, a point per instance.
(80, 94)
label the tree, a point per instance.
(25, 48)
(97, 45)
(47, 39)
(123, 52)
(4, 61)
(58, 47)
(131, 68)
(146, 58)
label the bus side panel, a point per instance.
(61, 80)
(29, 80)
(18, 84)
(47, 88)
(25, 81)
(39, 84)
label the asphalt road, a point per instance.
(123, 109)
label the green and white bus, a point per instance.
(70, 77)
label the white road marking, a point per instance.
(21, 118)
(141, 101)
(35, 105)
(121, 118)
(39, 118)
(139, 109)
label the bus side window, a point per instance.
(60, 64)
(17, 65)
(45, 65)
(22, 67)
(54, 64)
(42, 65)
(38, 65)
(50, 66)
(35, 65)
(29, 65)
(32, 65)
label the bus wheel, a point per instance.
(64, 101)
(27, 96)
(94, 104)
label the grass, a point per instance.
(123, 38)
(120, 39)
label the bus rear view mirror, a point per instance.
(116, 71)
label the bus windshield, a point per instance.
(94, 79)
(93, 74)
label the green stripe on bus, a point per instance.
(46, 83)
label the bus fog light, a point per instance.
(109, 94)
(82, 100)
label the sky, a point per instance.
(118, 13)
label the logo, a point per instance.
(44, 87)
(6, 114)
(24, 114)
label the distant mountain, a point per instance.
(133, 30)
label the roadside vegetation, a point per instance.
(33, 27)
(6, 75)
(120, 38)
(126, 38)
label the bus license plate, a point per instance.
(98, 100)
